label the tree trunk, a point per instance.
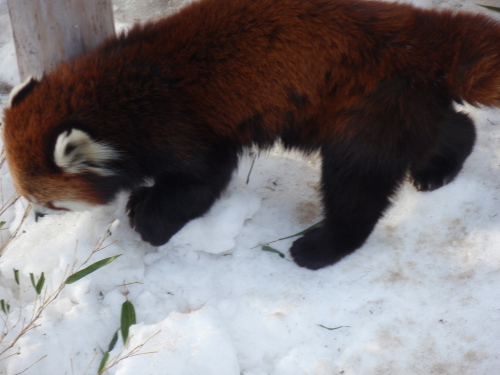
(49, 31)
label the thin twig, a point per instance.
(43, 301)
(251, 167)
(26, 369)
(134, 352)
(90, 364)
(4, 246)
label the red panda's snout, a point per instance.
(58, 207)
(60, 193)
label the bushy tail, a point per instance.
(475, 76)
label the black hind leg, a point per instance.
(357, 186)
(455, 143)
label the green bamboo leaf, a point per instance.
(273, 250)
(104, 360)
(127, 319)
(332, 329)
(113, 342)
(88, 270)
(16, 276)
(2, 223)
(314, 226)
(32, 277)
(39, 284)
(317, 225)
(5, 306)
(496, 9)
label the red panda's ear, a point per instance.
(20, 91)
(76, 152)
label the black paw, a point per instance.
(435, 175)
(149, 219)
(311, 251)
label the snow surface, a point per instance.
(422, 296)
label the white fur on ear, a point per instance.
(75, 152)
(18, 93)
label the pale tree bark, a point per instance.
(49, 31)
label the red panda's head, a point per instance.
(55, 165)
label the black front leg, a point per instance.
(160, 211)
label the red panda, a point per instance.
(369, 84)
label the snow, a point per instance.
(420, 297)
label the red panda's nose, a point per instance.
(38, 215)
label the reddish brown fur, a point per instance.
(251, 72)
